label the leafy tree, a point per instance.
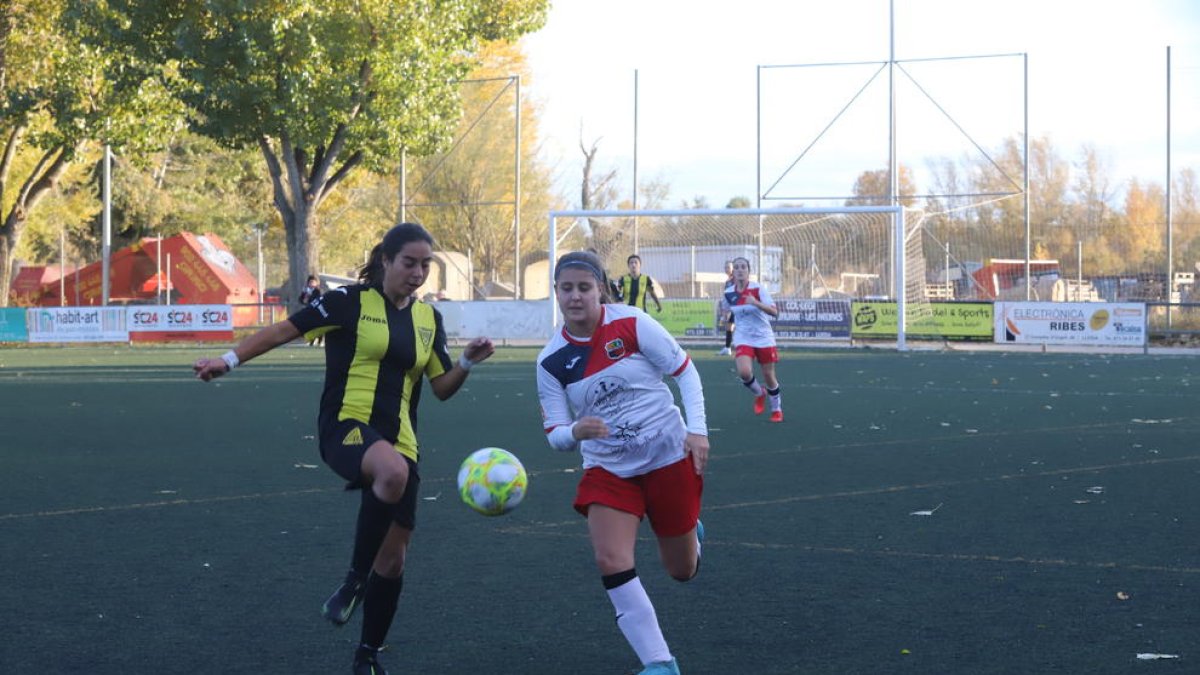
(871, 188)
(57, 95)
(320, 87)
(466, 195)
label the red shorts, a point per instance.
(669, 496)
(760, 354)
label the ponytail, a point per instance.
(371, 273)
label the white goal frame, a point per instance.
(897, 247)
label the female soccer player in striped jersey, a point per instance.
(381, 342)
(600, 384)
(752, 309)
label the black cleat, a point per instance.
(366, 662)
(341, 605)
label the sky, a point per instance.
(1097, 76)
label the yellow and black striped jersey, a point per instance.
(375, 356)
(633, 290)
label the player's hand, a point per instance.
(207, 369)
(697, 446)
(479, 349)
(589, 427)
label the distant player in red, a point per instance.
(600, 384)
(752, 309)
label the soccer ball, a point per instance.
(492, 481)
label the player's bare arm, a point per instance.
(254, 345)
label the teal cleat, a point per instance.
(661, 668)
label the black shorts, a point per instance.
(343, 445)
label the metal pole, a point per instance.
(758, 172)
(1025, 189)
(947, 279)
(758, 137)
(258, 229)
(636, 240)
(517, 198)
(62, 263)
(893, 160)
(158, 273)
(169, 285)
(1170, 229)
(1079, 272)
(107, 219)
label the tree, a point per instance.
(56, 97)
(596, 194)
(320, 87)
(466, 196)
(871, 188)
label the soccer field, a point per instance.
(933, 512)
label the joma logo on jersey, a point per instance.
(373, 319)
(615, 348)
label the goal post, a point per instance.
(832, 254)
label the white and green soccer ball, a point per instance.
(492, 481)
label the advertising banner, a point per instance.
(12, 325)
(189, 323)
(1071, 323)
(812, 319)
(77, 324)
(691, 318)
(939, 320)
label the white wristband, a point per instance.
(231, 359)
(464, 362)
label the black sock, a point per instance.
(379, 608)
(728, 339)
(374, 519)
(612, 581)
(773, 392)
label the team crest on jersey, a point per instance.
(426, 335)
(615, 348)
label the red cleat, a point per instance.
(777, 416)
(760, 404)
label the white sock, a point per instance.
(754, 387)
(777, 402)
(638, 622)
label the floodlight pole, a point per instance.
(897, 256)
(1025, 190)
(1170, 232)
(517, 192)
(635, 159)
(107, 221)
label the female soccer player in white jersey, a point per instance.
(601, 390)
(752, 309)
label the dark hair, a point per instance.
(743, 259)
(588, 261)
(395, 239)
(313, 277)
(632, 258)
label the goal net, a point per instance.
(810, 259)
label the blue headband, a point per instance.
(579, 263)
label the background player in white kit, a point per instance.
(601, 390)
(752, 309)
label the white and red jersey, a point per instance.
(751, 325)
(617, 375)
